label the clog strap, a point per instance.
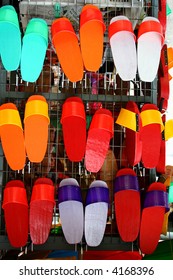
(151, 117)
(156, 198)
(73, 108)
(61, 25)
(10, 116)
(151, 26)
(91, 14)
(69, 192)
(38, 26)
(128, 119)
(120, 25)
(126, 182)
(8, 14)
(14, 195)
(97, 194)
(43, 192)
(36, 107)
(102, 121)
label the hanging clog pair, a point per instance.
(74, 58)
(126, 58)
(143, 133)
(131, 222)
(28, 52)
(22, 220)
(95, 145)
(75, 221)
(17, 143)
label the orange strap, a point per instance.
(127, 119)
(10, 116)
(36, 107)
(120, 25)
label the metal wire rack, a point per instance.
(112, 93)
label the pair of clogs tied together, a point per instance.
(146, 133)
(75, 221)
(28, 52)
(72, 57)
(127, 58)
(132, 223)
(36, 218)
(92, 145)
(23, 218)
(31, 142)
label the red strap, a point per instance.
(15, 195)
(43, 192)
(91, 14)
(120, 25)
(73, 108)
(62, 24)
(151, 26)
(102, 121)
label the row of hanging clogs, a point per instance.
(31, 142)
(75, 57)
(144, 139)
(90, 221)
(88, 53)
(144, 133)
(78, 143)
